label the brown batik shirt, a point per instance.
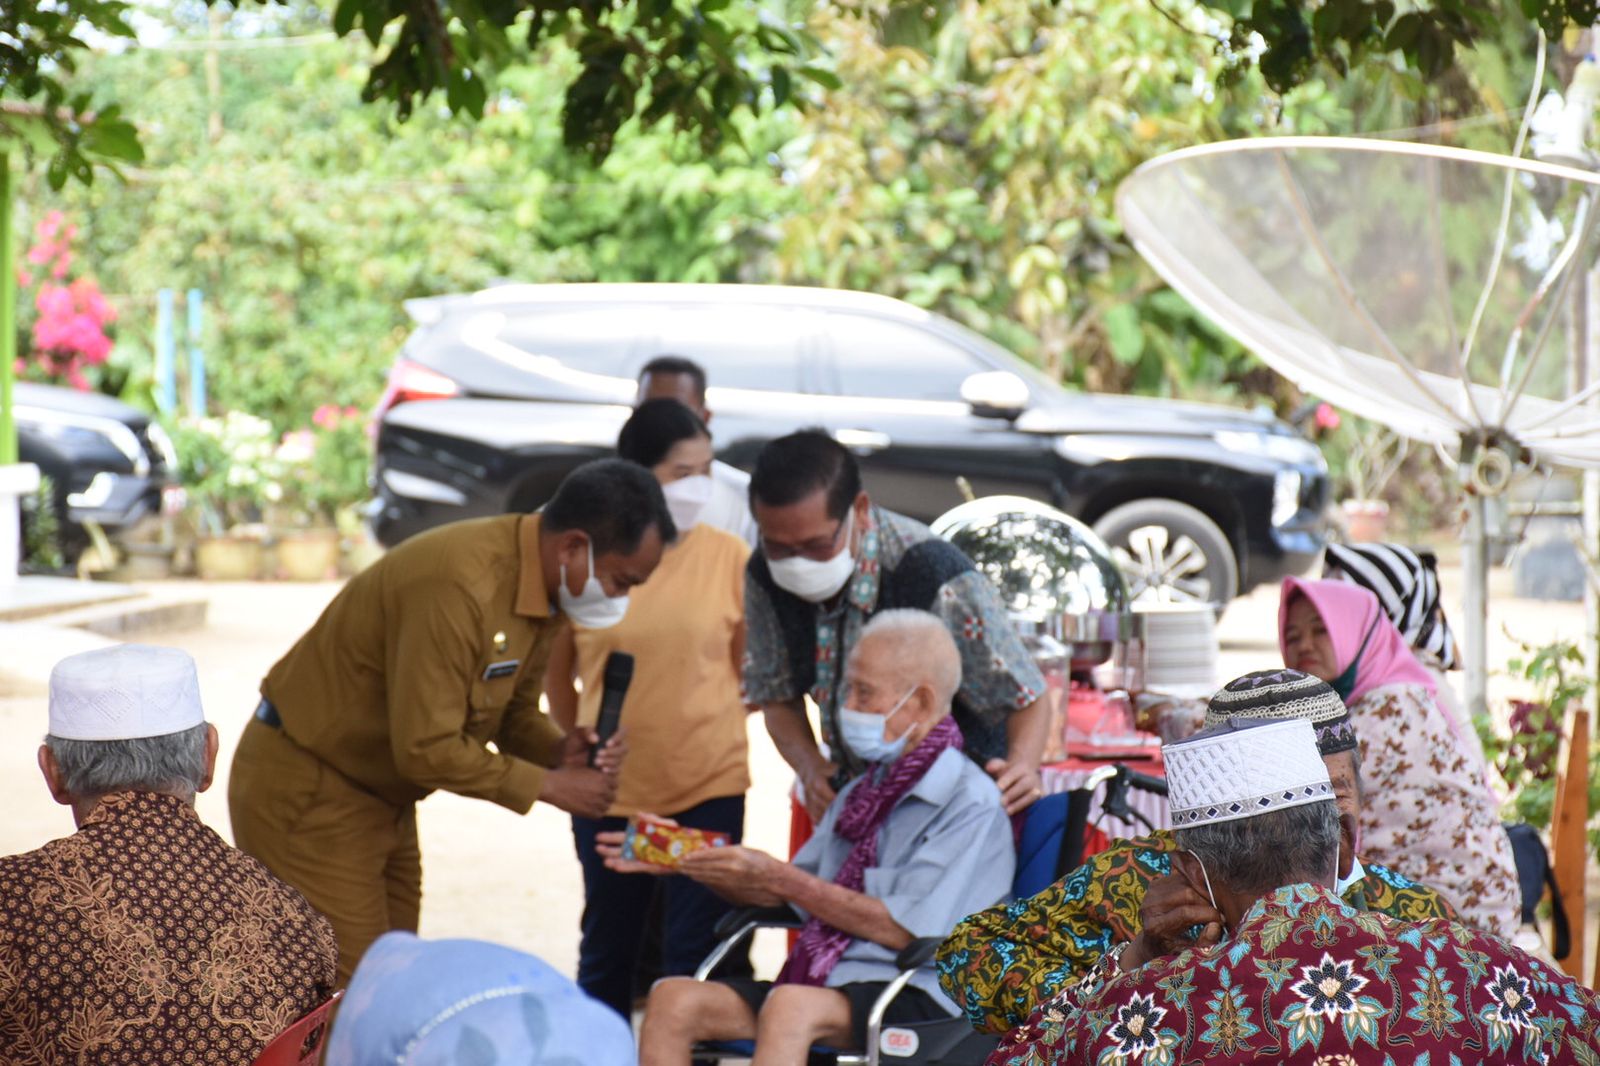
(144, 938)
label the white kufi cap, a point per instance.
(124, 692)
(1244, 767)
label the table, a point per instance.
(1073, 773)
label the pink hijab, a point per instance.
(1362, 634)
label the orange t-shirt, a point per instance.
(683, 714)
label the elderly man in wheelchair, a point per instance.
(904, 851)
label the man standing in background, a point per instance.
(727, 502)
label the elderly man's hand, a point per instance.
(1020, 785)
(738, 874)
(1172, 906)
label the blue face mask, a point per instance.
(862, 733)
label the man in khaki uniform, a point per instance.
(415, 668)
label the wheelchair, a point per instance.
(1052, 845)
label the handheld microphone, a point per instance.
(618, 675)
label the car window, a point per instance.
(740, 347)
(877, 357)
(595, 340)
(743, 347)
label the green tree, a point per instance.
(1290, 41)
(974, 171)
(700, 65)
(310, 219)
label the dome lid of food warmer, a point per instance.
(1054, 574)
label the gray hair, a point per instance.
(174, 763)
(921, 647)
(1268, 851)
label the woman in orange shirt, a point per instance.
(687, 753)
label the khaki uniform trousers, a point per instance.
(352, 855)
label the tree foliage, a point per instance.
(973, 172)
(970, 169)
(41, 42)
(310, 220)
(1289, 40)
(701, 65)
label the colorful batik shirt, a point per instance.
(1308, 979)
(1001, 963)
(795, 649)
(144, 938)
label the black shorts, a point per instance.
(911, 1005)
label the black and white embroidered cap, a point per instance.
(1244, 767)
(1283, 694)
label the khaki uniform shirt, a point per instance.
(425, 658)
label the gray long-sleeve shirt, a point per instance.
(944, 852)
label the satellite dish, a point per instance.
(1420, 286)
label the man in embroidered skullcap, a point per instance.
(1001, 963)
(143, 937)
(1284, 970)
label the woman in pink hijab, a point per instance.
(1428, 811)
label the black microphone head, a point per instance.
(619, 670)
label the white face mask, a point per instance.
(1341, 885)
(592, 608)
(813, 581)
(686, 498)
(863, 733)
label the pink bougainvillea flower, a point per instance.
(326, 416)
(53, 301)
(1327, 417)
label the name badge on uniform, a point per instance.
(495, 671)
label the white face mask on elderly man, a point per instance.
(863, 733)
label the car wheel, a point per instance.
(1171, 553)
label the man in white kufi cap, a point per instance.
(143, 937)
(1280, 968)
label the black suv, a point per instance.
(108, 462)
(524, 382)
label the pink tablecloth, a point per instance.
(1073, 774)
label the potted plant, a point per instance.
(325, 479)
(1372, 458)
(230, 473)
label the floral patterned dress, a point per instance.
(1307, 979)
(1428, 811)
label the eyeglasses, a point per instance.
(817, 549)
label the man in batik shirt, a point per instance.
(144, 938)
(827, 561)
(1283, 970)
(1001, 963)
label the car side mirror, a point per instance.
(995, 394)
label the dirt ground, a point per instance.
(489, 873)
